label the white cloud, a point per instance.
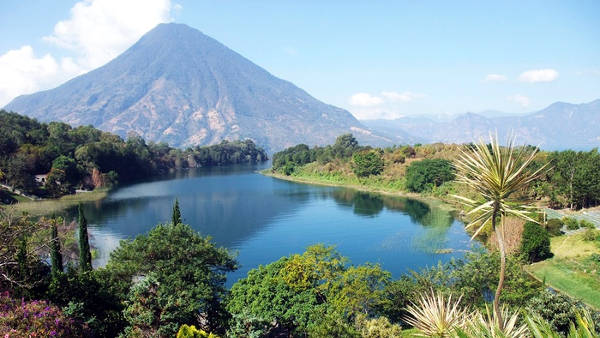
(522, 100)
(96, 32)
(385, 105)
(365, 100)
(99, 30)
(495, 78)
(402, 97)
(538, 75)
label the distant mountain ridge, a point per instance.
(556, 127)
(180, 86)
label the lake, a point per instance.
(263, 218)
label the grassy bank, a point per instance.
(574, 269)
(55, 206)
(374, 185)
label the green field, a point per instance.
(572, 270)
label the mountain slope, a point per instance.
(180, 86)
(556, 127)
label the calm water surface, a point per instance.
(262, 219)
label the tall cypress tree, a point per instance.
(85, 256)
(176, 217)
(55, 255)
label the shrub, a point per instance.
(553, 227)
(367, 163)
(535, 243)
(186, 331)
(586, 224)
(559, 310)
(19, 318)
(425, 174)
(591, 235)
(571, 223)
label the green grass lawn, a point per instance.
(572, 270)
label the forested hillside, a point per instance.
(66, 158)
(571, 181)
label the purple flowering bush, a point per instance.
(36, 318)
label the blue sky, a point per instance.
(374, 58)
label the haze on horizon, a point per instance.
(377, 60)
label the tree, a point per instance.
(314, 292)
(344, 146)
(85, 255)
(535, 242)
(428, 173)
(367, 163)
(176, 215)
(55, 255)
(190, 272)
(497, 174)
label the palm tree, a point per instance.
(496, 174)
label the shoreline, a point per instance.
(50, 206)
(430, 200)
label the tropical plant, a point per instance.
(583, 327)
(486, 325)
(435, 316)
(497, 174)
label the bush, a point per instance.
(186, 331)
(586, 224)
(367, 163)
(559, 310)
(571, 223)
(591, 235)
(426, 174)
(553, 227)
(535, 243)
(19, 318)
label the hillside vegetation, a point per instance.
(572, 180)
(87, 158)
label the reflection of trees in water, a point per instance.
(370, 204)
(363, 204)
(228, 213)
(435, 221)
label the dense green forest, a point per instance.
(86, 158)
(571, 181)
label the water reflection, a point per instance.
(263, 219)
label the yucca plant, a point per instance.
(436, 316)
(486, 325)
(497, 174)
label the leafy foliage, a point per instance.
(309, 293)
(367, 163)
(535, 243)
(429, 173)
(85, 255)
(70, 155)
(19, 318)
(189, 270)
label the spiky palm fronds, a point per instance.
(496, 173)
(584, 327)
(486, 325)
(436, 316)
